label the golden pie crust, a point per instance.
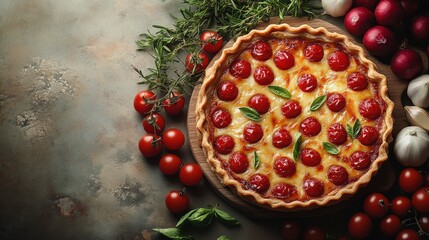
(207, 92)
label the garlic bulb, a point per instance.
(336, 8)
(417, 116)
(418, 91)
(412, 146)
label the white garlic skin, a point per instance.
(418, 91)
(336, 8)
(411, 147)
(417, 116)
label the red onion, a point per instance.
(410, 8)
(388, 13)
(380, 41)
(406, 64)
(370, 4)
(359, 20)
(420, 29)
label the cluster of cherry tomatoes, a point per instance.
(212, 42)
(152, 142)
(403, 217)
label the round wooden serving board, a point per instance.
(381, 182)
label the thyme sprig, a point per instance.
(229, 18)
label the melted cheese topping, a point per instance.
(328, 81)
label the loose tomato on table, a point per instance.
(213, 41)
(291, 230)
(150, 145)
(410, 180)
(420, 200)
(169, 164)
(173, 139)
(190, 174)
(177, 201)
(401, 206)
(360, 226)
(142, 101)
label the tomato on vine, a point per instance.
(407, 234)
(190, 174)
(174, 104)
(150, 145)
(169, 164)
(154, 123)
(401, 206)
(142, 101)
(177, 201)
(173, 139)
(420, 200)
(196, 63)
(376, 205)
(213, 41)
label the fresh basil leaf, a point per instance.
(353, 132)
(349, 130)
(224, 238)
(250, 113)
(226, 217)
(356, 128)
(279, 91)
(296, 148)
(185, 217)
(317, 103)
(173, 233)
(202, 220)
(331, 149)
(256, 160)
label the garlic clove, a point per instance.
(417, 116)
(336, 8)
(418, 91)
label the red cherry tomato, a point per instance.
(260, 103)
(173, 139)
(313, 187)
(314, 233)
(291, 109)
(390, 225)
(190, 174)
(338, 175)
(357, 81)
(336, 102)
(310, 157)
(338, 61)
(154, 123)
(401, 206)
(307, 82)
(174, 105)
(227, 91)
(263, 75)
(240, 69)
(224, 144)
(284, 191)
(177, 202)
(314, 52)
(150, 145)
(420, 200)
(259, 183)
(238, 162)
(253, 132)
(221, 118)
(213, 41)
(407, 234)
(284, 60)
(291, 230)
(410, 180)
(142, 102)
(376, 205)
(169, 164)
(370, 108)
(310, 127)
(368, 135)
(337, 134)
(281, 138)
(262, 51)
(196, 64)
(360, 226)
(284, 167)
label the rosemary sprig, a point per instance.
(229, 18)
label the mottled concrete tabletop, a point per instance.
(69, 163)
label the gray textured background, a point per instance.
(69, 163)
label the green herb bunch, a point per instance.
(230, 18)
